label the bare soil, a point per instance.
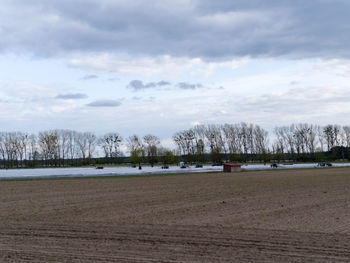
(266, 216)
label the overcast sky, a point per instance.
(160, 66)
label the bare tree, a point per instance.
(311, 138)
(231, 133)
(151, 143)
(11, 147)
(332, 135)
(211, 135)
(179, 140)
(261, 141)
(280, 138)
(20, 141)
(134, 143)
(136, 149)
(48, 142)
(63, 142)
(110, 144)
(288, 133)
(82, 143)
(33, 149)
(71, 147)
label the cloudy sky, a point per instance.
(160, 66)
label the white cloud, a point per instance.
(339, 67)
(26, 91)
(32, 100)
(163, 66)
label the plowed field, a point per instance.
(268, 216)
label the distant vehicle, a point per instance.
(165, 167)
(324, 164)
(273, 165)
(182, 165)
(199, 165)
(216, 164)
(100, 167)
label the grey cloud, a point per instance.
(137, 85)
(185, 85)
(72, 96)
(104, 103)
(88, 77)
(206, 29)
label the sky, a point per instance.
(161, 66)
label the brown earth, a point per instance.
(266, 216)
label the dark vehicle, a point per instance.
(273, 165)
(199, 165)
(165, 167)
(324, 164)
(182, 165)
(100, 167)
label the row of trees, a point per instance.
(245, 141)
(55, 147)
(238, 142)
(303, 139)
(228, 139)
(67, 147)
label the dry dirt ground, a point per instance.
(266, 216)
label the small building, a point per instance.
(232, 167)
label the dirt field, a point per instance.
(268, 216)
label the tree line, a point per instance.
(228, 142)
(59, 148)
(249, 142)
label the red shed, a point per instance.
(232, 167)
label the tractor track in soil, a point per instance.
(163, 243)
